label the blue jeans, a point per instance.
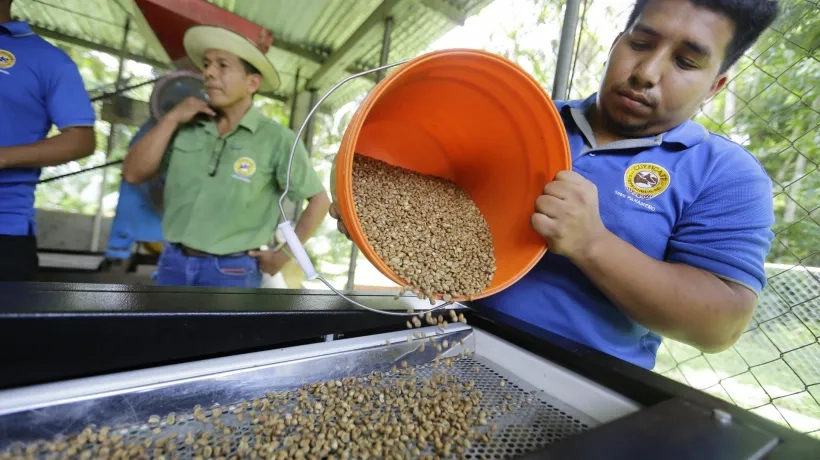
(176, 269)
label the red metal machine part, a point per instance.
(171, 18)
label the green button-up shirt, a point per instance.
(221, 192)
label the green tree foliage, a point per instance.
(79, 193)
(772, 107)
(329, 249)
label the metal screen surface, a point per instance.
(379, 402)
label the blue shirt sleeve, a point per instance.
(727, 229)
(147, 126)
(157, 181)
(66, 99)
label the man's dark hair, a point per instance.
(751, 19)
(249, 68)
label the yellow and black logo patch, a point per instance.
(7, 59)
(646, 180)
(244, 167)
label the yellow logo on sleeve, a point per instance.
(646, 180)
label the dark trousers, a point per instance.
(18, 258)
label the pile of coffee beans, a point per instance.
(427, 229)
(381, 415)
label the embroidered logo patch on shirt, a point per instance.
(646, 180)
(244, 168)
(7, 60)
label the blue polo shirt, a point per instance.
(136, 218)
(685, 196)
(40, 86)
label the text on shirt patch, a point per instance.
(7, 61)
(635, 200)
(646, 180)
(243, 169)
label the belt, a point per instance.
(190, 252)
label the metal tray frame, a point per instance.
(126, 401)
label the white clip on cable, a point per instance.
(295, 246)
(298, 250)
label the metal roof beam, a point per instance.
(54, 35)
(447, 10)
(358, 67)
(276, 96)
(115, 52)
(299, 50)
(339, 56)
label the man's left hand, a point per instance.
(270, 262)
(567, 215)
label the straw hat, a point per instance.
(199, 39)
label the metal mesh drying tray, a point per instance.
(518, 418)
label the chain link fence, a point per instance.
(771, 106)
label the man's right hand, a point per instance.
(190, 107)
(334, 213)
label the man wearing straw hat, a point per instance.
(661, 228)
(226, 168)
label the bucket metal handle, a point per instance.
(295, 246)
(310, 115)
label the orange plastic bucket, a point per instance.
(472, 117)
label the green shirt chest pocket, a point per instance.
(187, 162)
(245, 176)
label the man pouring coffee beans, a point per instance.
(661, 228)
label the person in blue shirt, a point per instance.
(661, 228)
(40, 86)
(138, 217)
